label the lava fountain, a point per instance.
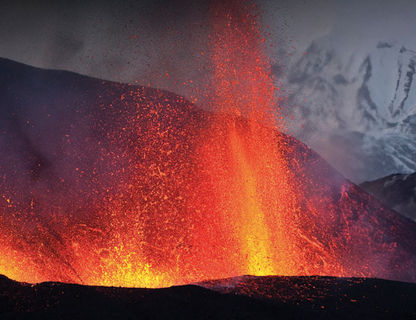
(250, 178)
(152, 191)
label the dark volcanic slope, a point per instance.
(397, 191)
(101, 182)
(240, 298)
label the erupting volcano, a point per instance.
(142, 188)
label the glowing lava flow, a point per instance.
(254, 236)
(152, 191)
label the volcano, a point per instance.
(113, 184)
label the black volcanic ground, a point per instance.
(238, 298)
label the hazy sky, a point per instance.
(142, 40)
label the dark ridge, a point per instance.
(396, 191)
(245, 297)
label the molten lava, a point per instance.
(159, 192)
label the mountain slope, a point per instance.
(397, 191)
(112, 184)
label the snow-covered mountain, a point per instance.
(356, 109)
(397, 191)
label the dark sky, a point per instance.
(131, 40)
(119, 40)
(142, 40)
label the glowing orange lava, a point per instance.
(255, 190)
(176, 194)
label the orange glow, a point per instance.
(242, 86)
(179, 195)
(254, 234)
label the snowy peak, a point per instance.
(383, 79)
(369, 98)
(388, 78)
